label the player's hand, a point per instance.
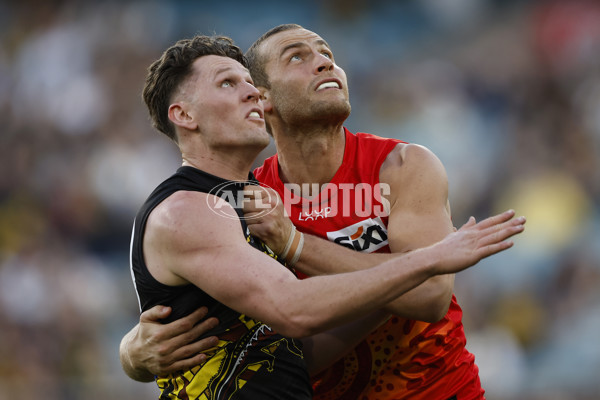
(475, 241)
(265, 215)
(162, 349)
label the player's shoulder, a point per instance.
(186, 210)
(181, 201)
(411, 169)
(410, 156)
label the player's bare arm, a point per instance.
(152, 348)
(324, 349)
(222, 264)
(419, 216)
(493, 232)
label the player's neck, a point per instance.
(227, 164)
(310, 156)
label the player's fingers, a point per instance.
(268, 195)
(494, 248)
(499, 235)
(171, 350)
(511, 222)
(199, 330)
(470, 222)
(496, 219)
(155, 314)
(255, 206)
(255, 192)
(252, 187)
(259, 205)
(187, 323)
(192, 349)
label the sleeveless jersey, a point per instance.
(402, 359)
(251, 361)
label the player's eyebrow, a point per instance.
(225, 70)
(296, 45)
(291, 46)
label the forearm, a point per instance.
(322, 257)
(136, 372)
(323, 349)
(337, 299)
(428, 301)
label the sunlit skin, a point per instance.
(219, 118)
(306, 103)
(303, 77)
(307, 98)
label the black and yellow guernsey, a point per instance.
(251, 361)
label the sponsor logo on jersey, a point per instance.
(314, 214)
(367, 236)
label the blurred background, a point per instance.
(505, 92)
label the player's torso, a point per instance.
(402, 359)
(250, 361)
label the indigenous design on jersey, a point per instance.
(232, 365)
(250, 362)
(402, 359)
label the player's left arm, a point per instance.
(323, 349)
(419, 216)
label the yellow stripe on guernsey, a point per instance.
(221, 373)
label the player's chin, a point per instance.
(260, 138)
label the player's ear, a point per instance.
(265, 97)
(179, 115)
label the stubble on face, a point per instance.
(293, 94)
(298, 109)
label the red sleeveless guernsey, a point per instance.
(402, 359)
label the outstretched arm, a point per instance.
(223, 265)
(419, 215)
(468, 245)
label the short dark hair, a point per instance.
(166, 74)
(256, 60)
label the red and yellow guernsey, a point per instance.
(403, 359)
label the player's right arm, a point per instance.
(419, 215)
(323, 349)
(220, 262)
(153, 348)
(186, 242)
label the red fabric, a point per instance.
(403, 359)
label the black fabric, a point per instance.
(183, 299)
(244, 342)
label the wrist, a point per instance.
(433, 261)
(428, 260)
(293, 248)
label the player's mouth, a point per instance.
(329, 84)
(255, 114)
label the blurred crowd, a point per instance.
(506, 93)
